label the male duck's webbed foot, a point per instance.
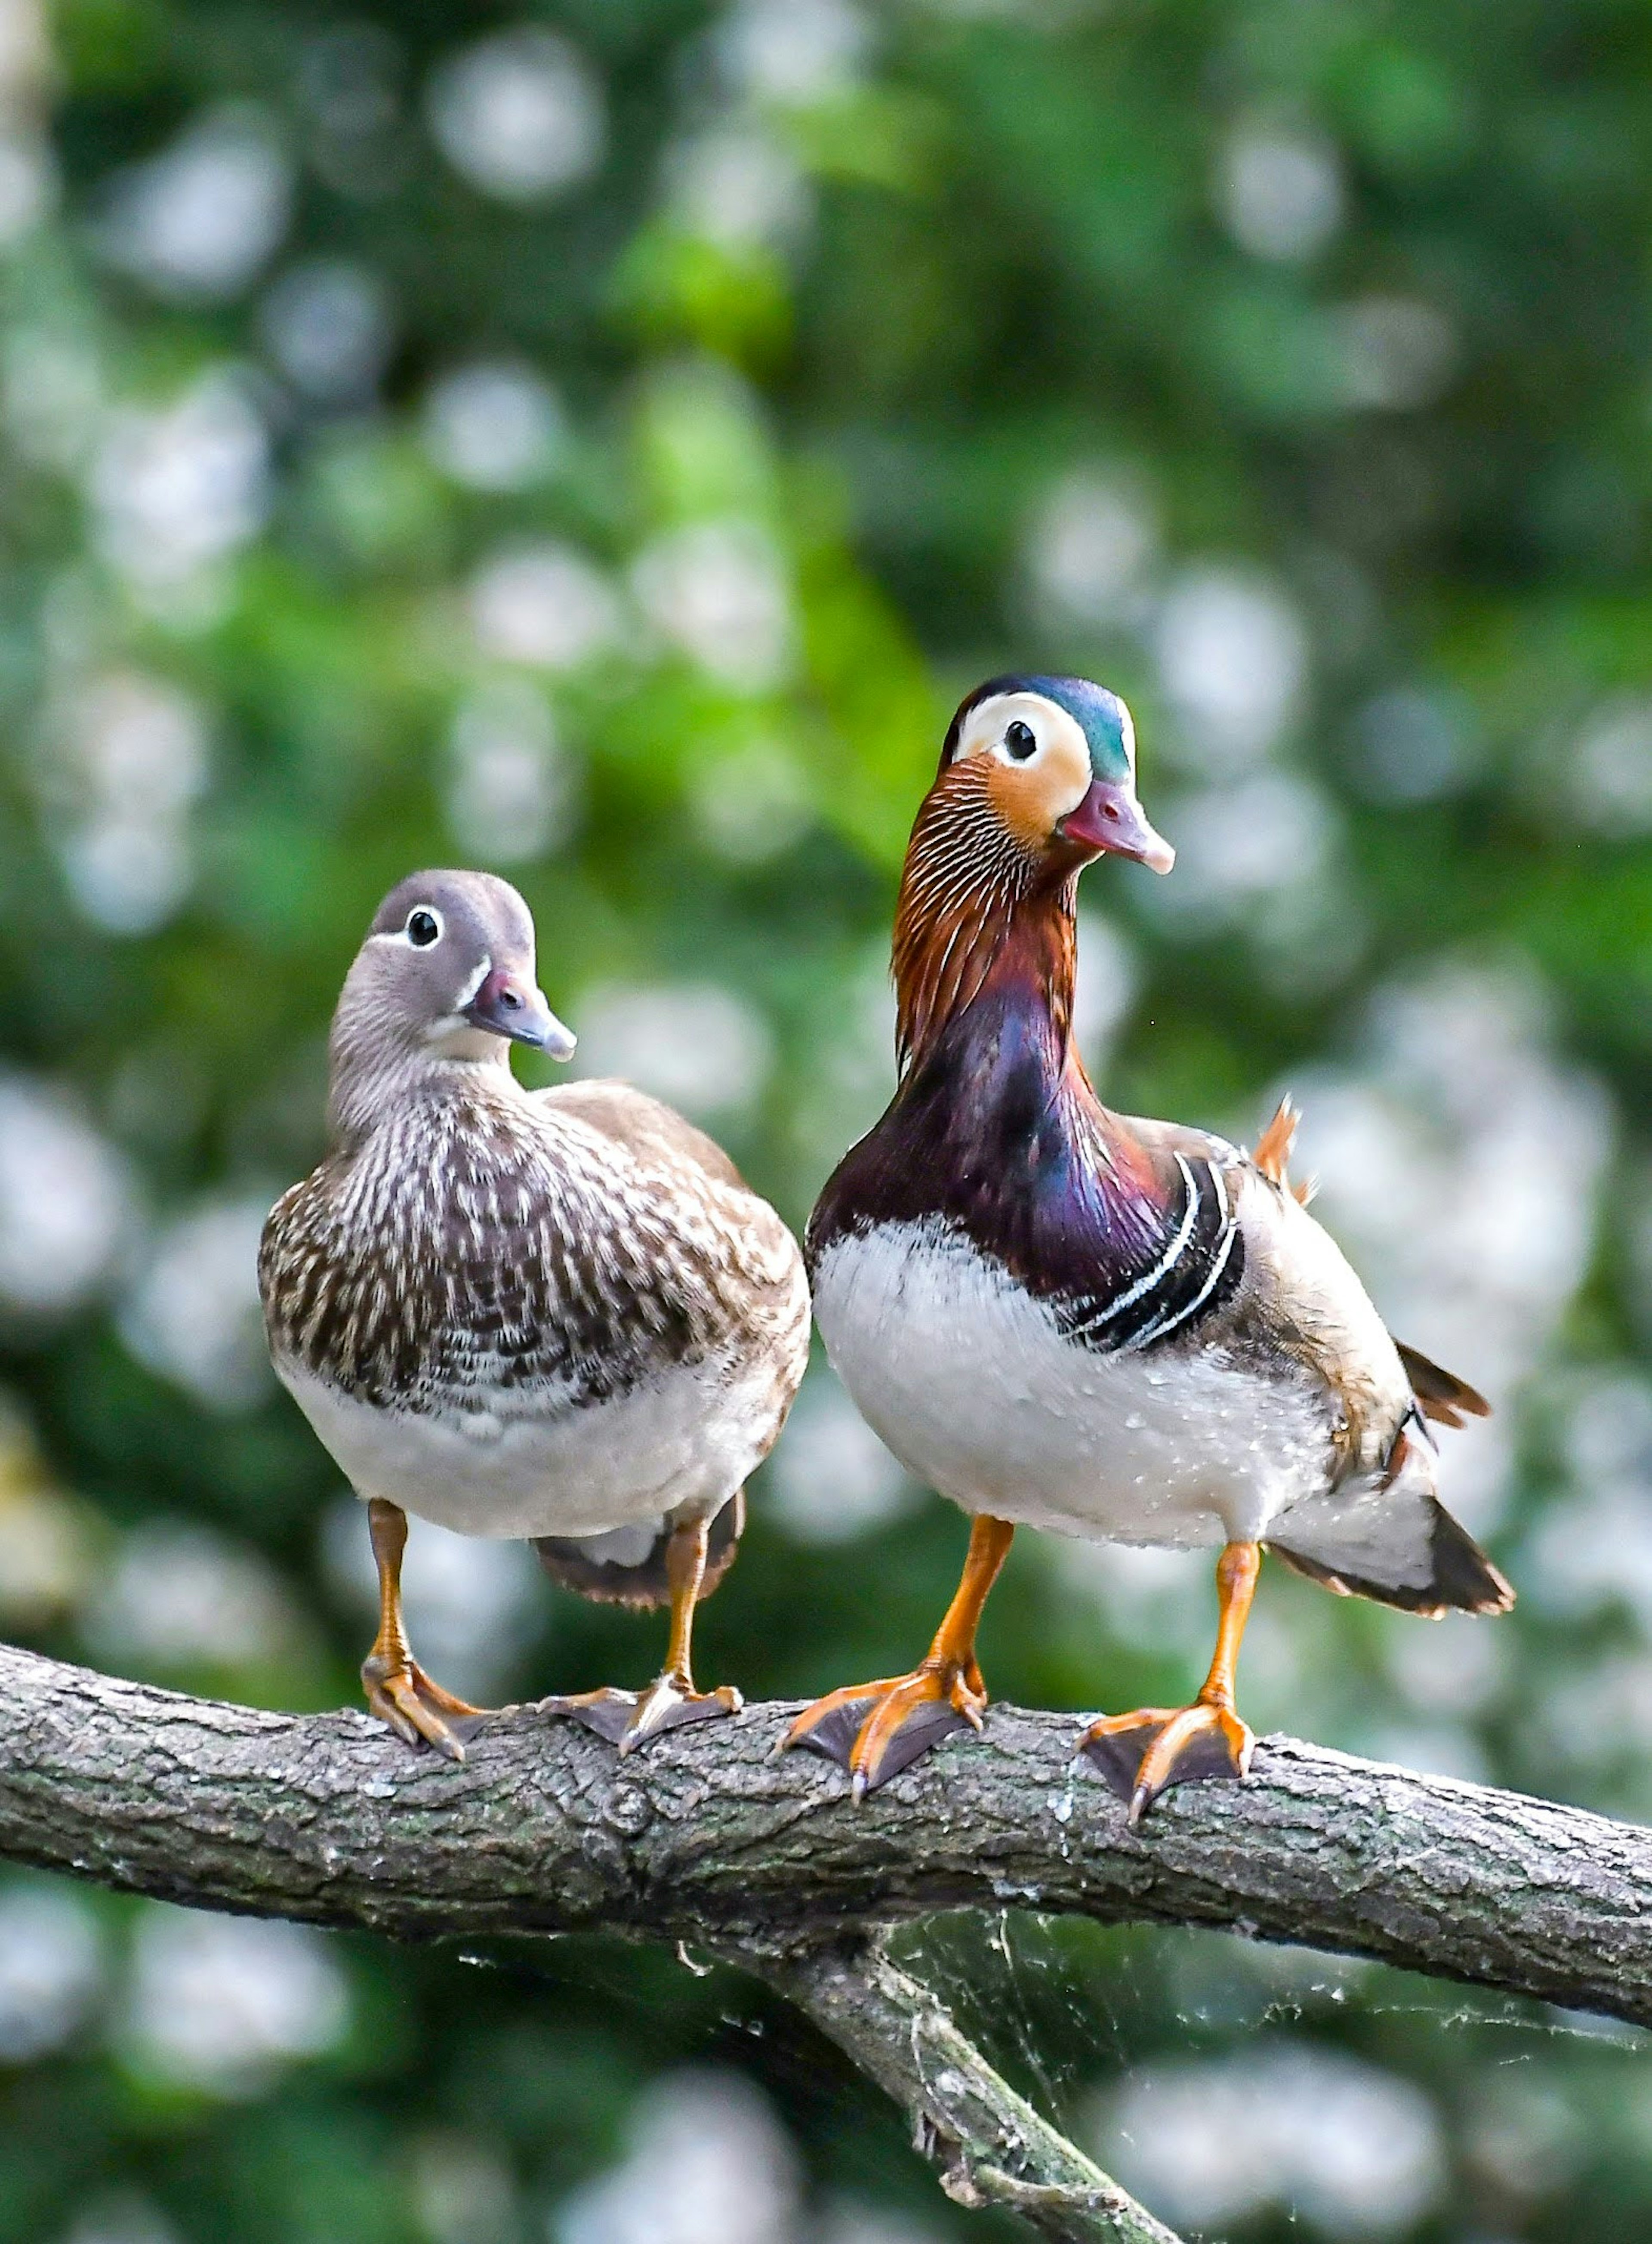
(1142, 1755)
(627, 1718)
(874, 1730)
(417, 1709)
(398, 1692)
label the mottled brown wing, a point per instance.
(473, 1248)
(655, 1134)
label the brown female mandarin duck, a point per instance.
(1125, 1330)
(558, 1314)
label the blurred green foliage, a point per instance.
(604, 442)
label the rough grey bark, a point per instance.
(704, 1836)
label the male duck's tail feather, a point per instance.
(1386, 1534)
(1459, 1577)
(1443, 1397)
(569, 1559)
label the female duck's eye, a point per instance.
(1019, 739)
(423, 928)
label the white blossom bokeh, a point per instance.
(1279, 189)
(1356, 2150)
(192, 1313)
(699, 1045)
(199, 220)
(126, 761)
(709, 2163)
(494, 425)
(51, 1968)
(177, 1595)
(545, 605)
(177, 489)
(519, 114)
(1458, 1167)
(512, 788)
(717, 591)
(68, 1202)
(224, 2004)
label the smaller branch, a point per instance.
(992, 2148)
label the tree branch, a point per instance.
(704, 1836)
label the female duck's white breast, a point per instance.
(970, 1382)
(505, 1464)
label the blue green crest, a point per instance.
(1101, 717)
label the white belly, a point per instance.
(970, 1382)
(524, 1466)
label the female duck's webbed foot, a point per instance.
(627, 1718)
(1142, 1755)
(417, 1709)
(874, 1730)
(398, 1690)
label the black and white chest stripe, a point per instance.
(1202, 1262)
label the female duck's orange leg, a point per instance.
(626, 1718)
(1142, 1755)
(398, 1692)
(874, 1730)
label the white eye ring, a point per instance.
(423, 935)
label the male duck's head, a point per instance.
(1037, 778)
(446, 973)
(1051, 760)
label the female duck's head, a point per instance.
(445, 981)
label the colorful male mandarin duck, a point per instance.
(558, 1314)
(1125, 1330)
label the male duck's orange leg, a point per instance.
(874, 1730)
(625, 1718)
(398, 1692)
(1142, 1755)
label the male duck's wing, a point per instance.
(1165, 1250)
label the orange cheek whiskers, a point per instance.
(1031, 803)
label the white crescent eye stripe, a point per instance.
(400, 933)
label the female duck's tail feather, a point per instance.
(570, 1560)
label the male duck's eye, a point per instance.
(1019, 739)
(423, 928)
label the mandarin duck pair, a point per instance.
(562, 1315)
